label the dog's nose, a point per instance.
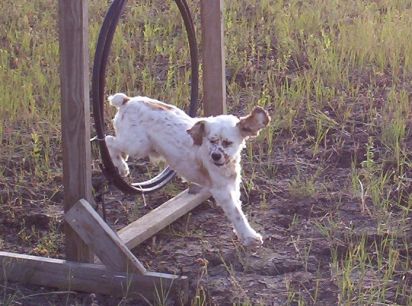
(216, 156)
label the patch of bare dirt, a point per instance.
(293, 263)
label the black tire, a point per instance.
(98, 93)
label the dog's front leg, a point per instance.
(231, 205)
(116, 155)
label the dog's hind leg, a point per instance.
(116, 154)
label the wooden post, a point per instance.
(87, 277)
(102, 239)
(74, 78)
(214, 82)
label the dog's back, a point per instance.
(148, 127)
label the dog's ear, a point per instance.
(197, 132)
(251, 124)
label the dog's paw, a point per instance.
(123, 170)
(253, 241)
(194, 188)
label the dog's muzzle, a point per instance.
(216, 156)
(217, 159)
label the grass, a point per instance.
(334, 74)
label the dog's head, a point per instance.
(223, 137)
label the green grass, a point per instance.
(330, 71)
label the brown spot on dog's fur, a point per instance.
(197, 132)
(125, 100)
(226, 156)
(158, 105)
(251, 124)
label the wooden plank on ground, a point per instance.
(214, 82)
(108, 247)
(86, 277)
(75, 115)
(151, 223)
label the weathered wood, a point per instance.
(102, 239)
(148, 225)
(75, 114)
(86, 277)
(214, 82)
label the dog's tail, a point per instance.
(118, 99)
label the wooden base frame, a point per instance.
(121, 273)
(86, 277)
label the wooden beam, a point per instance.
(102, 239)
(214, 82)
(86, 277)
(148, 225)
(75, 114)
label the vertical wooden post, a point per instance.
(75, 114)
(214, 82)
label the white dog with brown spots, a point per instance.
(204, 151)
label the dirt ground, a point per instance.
(293, 265)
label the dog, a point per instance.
(203, 151)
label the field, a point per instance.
(328, 184)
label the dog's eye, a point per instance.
(213, 141)
(226, 143)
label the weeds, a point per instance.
(335, 76)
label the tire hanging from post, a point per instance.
(98, 90)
